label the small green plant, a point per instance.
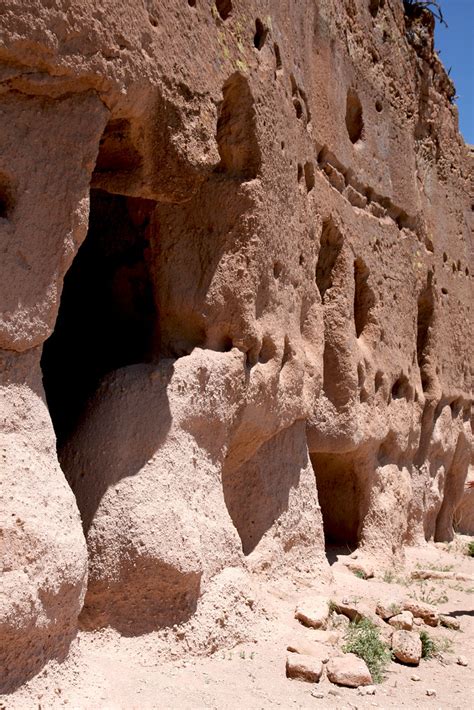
(390, 577)
(395, 608)
(364, 640)
(360, 573)
(430, 595)
(431, 648)
(428, 646)
(470, 548)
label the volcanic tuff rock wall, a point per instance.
(263, 342)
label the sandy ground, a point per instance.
(105, 670)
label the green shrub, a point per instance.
(431, 648)
(364, 640)
(470, 548)
(428, 646)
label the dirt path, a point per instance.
(108, 671)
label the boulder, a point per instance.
(388, 609)
(422, 610)
(302, 667)
(348, 670)
(449, 622)
(313, 612)
(403, 621)
(406, 647)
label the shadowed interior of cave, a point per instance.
(107, 316)
(339, 497)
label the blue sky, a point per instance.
(455, 45)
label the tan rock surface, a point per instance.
(313, 612)
(422, 610)
(403, 621)
(406, 647)
(235, 310)
(348, 670)
(302, 667)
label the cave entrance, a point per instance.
(107, 317)
(339, 494)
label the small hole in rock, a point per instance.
(374, 7)
(6, 197)
(224, 8)
(309, 175)
(401, 388)
(445, 257)
(277, 269)
(261, 33)
(378, 106)
(329, 251)
(192, 3)
(267, 351)
(379, 377)
(444, 291)
(364, 299)
(278, 61)
(300, 172)
(354, 120)
(298, 108)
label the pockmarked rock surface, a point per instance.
(407, 647)
(235, 310)
(348, 670)
(306, 668)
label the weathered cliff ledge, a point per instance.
(236, 288)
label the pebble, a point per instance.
(461, 661)
(317, 694)
(431, 693)
(415, 677)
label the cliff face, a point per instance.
(236, 287)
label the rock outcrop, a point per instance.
(235, 306)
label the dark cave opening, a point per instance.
(339, 495)
(107, 316)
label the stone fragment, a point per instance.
(386, 610)
(335, 177)
(377, 210)
(317, 694)
(403, 621)
(406, 647)
(355, 611)
(461, 661)
(415, 677)
(348, 670)
(304, 668)
(422, 610)
(313, 649)
(354, 197)
(449, 622)
(313, 612)
(431, 693)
